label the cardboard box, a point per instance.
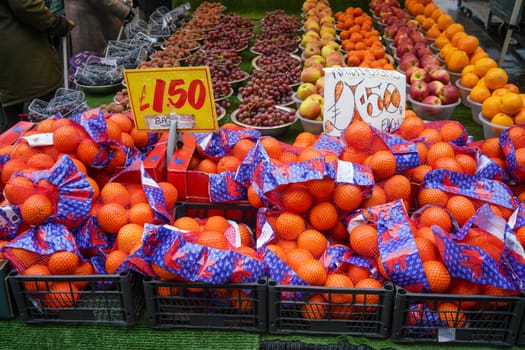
(9, 136)
(155, 161)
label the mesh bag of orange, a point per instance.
(169, 253)
(512, 142)
(60, 194)
(454, 131)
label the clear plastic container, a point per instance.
(433, 112)
(475, 109)
(309, 125)
(489, 129)
(463, 92)
(38, 111)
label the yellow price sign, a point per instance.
(159, 95)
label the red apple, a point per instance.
(434, 87)
(441, 75)
(407, 61)
(418, 90)
(432, 100)
(448, 94)
(419, 74)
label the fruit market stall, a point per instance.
(317, 203)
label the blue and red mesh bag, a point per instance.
(218, 144)
(515, 170)
(404, 151)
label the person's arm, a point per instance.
(33, 13)
(115, 7)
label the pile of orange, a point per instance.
(360, 41)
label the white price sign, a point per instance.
(376, 96)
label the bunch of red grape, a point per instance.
(273, 87)
(261, 112)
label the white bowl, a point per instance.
(454, 76)
(265, 130)
(433, 112)
(309, 125)
(434, 49)
(297, 100)
(489, 129)
(221, 113)
(463, 92)
(475, 109)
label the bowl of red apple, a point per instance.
(431, 93)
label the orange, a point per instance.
(467, 163)
(207, 166)
(450, 131)
(323, 216)
(213, 239)
(377, 197)
(469, 80)
(437, 275)
(136, 194)
(186, 223)
(36, 270)
(124, 123)
(313, 241)
(216, 223)
(253, 198)
(452, 29)
(241, 301)
(115, 192)
(491, 290)
(426, 249)
(312, 272)
(516, 135)
(295, 257)
(359, 135)
(479, 93)
(357, 273)
(458, 60)
(272, 146)
(63, 263)
(352, 154)
(511, 103)
(418, 173)
(12, 166)
(433, 31)
(461, 208)
(18, 189)
(297, 199)
(66, 138)
(40, 161)
(451, 314)
(322, 188)
(397, 187)
(441, 41)
(439, 150)
(482, 66)
(163, 274)
(383, 164)
(111, 217)
(228, 163)
(127, 140)
(502, 119)
(436, 13)
(85, 268)
(363, 240)
(371, 299)
(113, 130)
(23, 257)
(305, 139)
(247, 237)
(411, 127)
(289, 225)
(129, 236)
(491, 106)
(338, 280)
(61, 295)
(469, 44)
(242, 148)
(347, 197)
(495, 78)
(309, 153)
(432, 196)
(141, 138)
(520, 156)
(448, 163)
(114, 260)
(464, 287)
(315, 308)
(22, 150)
(278, 251)
(87, 151)
(287, 157)
(491, 148)
(171, 194)
(436, 216)
(287, 244)
(36, 209)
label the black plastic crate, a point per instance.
(231, 306)
(295, 309)
(105, 299)
(6, 310)
(520, 340)
(488, 320)
(239, 212)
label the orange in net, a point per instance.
(40, 161)
(85, 268)
(397, 187)
(115, 192)
(141, 138)
(339, 232)
(253, 198)
(36, 270)
(338, 280)
(22, 150)
(439, 150)
(436, 216)
(278, 251)
(450, 131)
(125, 124)
(18, 189)
(129, 236)
(305, 139)
(272, 146)
(309, 153)
(171, 194)
(36, 209)
(163, 274)
(216, 223)
(87, 151)
(377, 197)
(461, 208)
(467, 163)
(464, 287)
(111, 217)
(363, 240)
(347, 197)
(315, 308)
(186, 223)
(297, 256)
(297, 199)
(357, 273)
(207, 166)
(359, 134)
(383, 164)
(241, 300)
(242, 148)
(66, 138)
(451, 314)
(371, 300)
(438, 276)
(213, 239)
(431, 135)
(312, 272)
(63, 263)
(323, 216)
(432, 196)
(247, 238)
(411, 127)
(427, 249)
(114, 260)
(61, 295)
(12, 166)
(228, 163)
(313, 241)
(289, 225)
(287, 244)
(322, 188)
(141, 213)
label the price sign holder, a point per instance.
(374, 95)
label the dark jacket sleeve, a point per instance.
(33, 13)
(114, 7)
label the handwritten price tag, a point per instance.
(158, 96)
(376, 96)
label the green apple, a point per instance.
(326, 50)
(306, 89)
(311, 108)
